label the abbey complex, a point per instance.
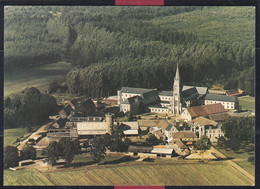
(140, 100)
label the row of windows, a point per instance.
(159, 110)
(166, 98)
(225, 104)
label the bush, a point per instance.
(11, 158)
(251, 159)
(250, 148)
(28, 152)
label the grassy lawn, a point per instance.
(247, 102)
(25, 177)
(240, 159)
(10, 135)
(38, 77)
(216, 173)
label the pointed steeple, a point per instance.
(176, 102)
(177, 75)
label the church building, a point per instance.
(140, 100)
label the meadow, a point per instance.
(38, 77)
(10, 135)
(247, 102)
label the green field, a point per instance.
(147, 174)
(240, 159)
(25, 177)
(10, 135)
(38, 77)
(247, 102)
(227, 24)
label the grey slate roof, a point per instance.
(133, 100)
(217, 97)
(190, 94)
(168, 128)
(165, 93)
(135, 90)
(201, 90)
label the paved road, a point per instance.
(233, 164)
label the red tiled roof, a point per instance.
(234, 93)
(206, 110)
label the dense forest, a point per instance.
(110, 47)
(28, 108)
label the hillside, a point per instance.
(135, 46)
(225, 24)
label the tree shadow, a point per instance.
(82, 164)
(121, 160)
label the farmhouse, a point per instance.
(78, 107)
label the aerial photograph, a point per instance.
(129, 96)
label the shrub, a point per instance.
(251, 159)
(11, 158)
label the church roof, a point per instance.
(132, 100)
(165, 93)
(136, 90)
(200, 90)
(217, 97)
(190, 94)
(206, 110)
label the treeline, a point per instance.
(28, 108)
(153, 65)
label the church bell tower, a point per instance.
(176, 101)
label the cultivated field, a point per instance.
(240, 159)
(247, 102)
(38, 77)
(110, 172)
(10, 135)
(25, 177)
(216, 173)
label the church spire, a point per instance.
(176, 102)
(177, 75)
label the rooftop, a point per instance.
(217, 97)
(204, 121)
(184, 134)
(206, 110)
(165, 93)
(135, 90)
(148, 123)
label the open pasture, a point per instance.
(10, 135)
(38, 77)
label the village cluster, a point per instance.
(191, 113)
